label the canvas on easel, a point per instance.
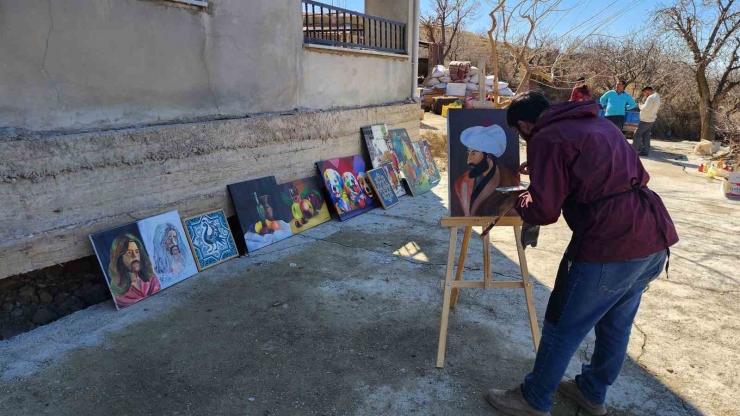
(483, 160)
(483, 155)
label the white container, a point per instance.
(456, 89)
(731, 186)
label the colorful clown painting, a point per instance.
(347, 186)
(483, 155)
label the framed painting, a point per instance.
(377, 140)
(409, 164)
(140, 259)
(382, 187)
(347, 185)
(306, 203)
(263, 218)
(483, 155)
(210, 239)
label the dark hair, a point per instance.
(648, 87)
(623, 82)
(581, 79)
(120, 281)
(526, 107)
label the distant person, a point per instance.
(616, 102)
(581, 92)
(648, 114)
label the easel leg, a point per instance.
(447, 297)
(487, 261)
(527, 288)
(461, 264)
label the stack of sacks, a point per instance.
(461, 79)
(437, 82)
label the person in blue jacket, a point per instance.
(616, 102)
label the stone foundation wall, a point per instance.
(57, 189)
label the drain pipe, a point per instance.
(415, 51)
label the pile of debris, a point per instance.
(461, 79)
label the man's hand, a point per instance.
(524, 168)
(524, 200)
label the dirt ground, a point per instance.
(344, 318)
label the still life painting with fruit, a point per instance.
(263, 218)
(306, 203)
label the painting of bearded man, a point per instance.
(483, 156)
(130, 272)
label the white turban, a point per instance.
(490, 139)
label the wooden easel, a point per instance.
(452, 287)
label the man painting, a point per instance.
(476, 189)
(130, 271)
(616, 102)
(581, 164)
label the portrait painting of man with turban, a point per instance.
(484, 155)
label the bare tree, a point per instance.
(527, 29)
(446, 20)
(711, 32)
(634, 60)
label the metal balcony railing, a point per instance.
(324, 24)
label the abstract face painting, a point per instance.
(344, 179)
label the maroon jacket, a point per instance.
(574, 152)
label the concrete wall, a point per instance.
(78, 65)
(331, 78)
(57, 190)
(114, 110)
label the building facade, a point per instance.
(114, 110)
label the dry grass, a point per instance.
(438, 143)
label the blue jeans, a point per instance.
(601, 295)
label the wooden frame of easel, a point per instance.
(452, 287)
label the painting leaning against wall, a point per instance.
(347, 186)
(377, 140)
(306, 203)
(167, 245)
(409, 164)
(262, 217)
(210, 238)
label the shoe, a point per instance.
(570, 390)
(512, 403)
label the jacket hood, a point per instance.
(570, 110)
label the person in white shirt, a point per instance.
(648, 114)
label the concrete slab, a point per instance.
(344, 319)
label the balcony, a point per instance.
(328, 25)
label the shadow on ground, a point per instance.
(340, 320)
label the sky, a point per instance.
(633, 18)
